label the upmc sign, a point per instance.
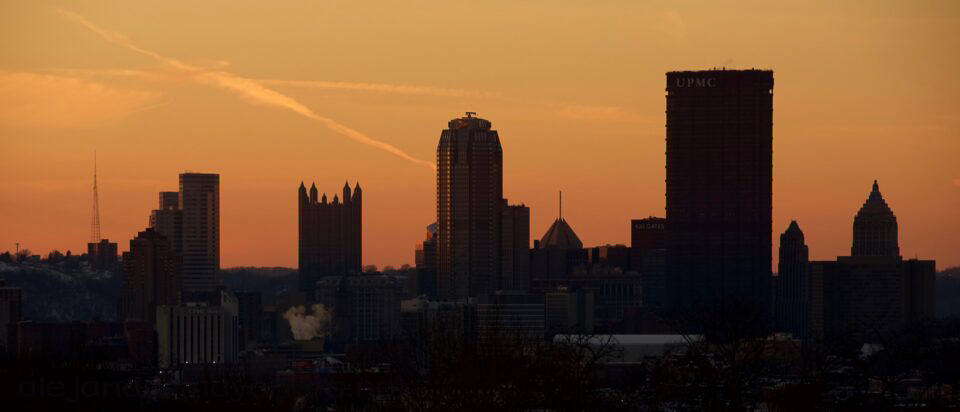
(696, 82)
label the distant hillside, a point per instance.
(52, 295)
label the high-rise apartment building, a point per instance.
(199, 202)
(150, 277)
(167, 219)
(719, 181)
(330, 235)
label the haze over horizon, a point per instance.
(274, 94)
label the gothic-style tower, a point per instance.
(330, 235)
(875, 228)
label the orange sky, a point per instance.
(271, 93)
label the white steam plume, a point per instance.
(248, 89)
(308, 325)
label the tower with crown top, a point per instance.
(330, 235)
(875, 228)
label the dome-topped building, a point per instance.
(875, 228)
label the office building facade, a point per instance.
(793, 287)
(865, 297)
(719, 150)
(469, 208)
(198, 333)
(150, 277)
(199, 201)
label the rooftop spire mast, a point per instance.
(95, 223)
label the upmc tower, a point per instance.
(719, 195)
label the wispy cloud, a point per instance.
(35, 100)
(248, 89)
(573, 111)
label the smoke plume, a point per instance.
(308, 325)
(247, 89)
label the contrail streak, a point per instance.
(383, 88)
(248, 89)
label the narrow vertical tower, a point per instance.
(793, 290)
(469, 196)
(95, 222)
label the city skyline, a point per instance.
(833, 133)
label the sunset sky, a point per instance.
(271, 93)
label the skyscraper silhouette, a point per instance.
(330, 235)
(869, 294)
(469, 193)
(875, 228)
(199, 202)
(150, 277)
(793, 292)
(719, 194)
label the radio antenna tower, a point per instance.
(95, 223)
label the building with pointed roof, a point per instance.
(558, 252)
(330, 235)
(863, 297)
(875, 228)
(793, 287)
(560, 236)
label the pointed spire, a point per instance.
(875, 192)
(793, 226)
(313, 193)
(561, 205)
(324, 200)
(346, 192)
(335, 199)
(875, 227)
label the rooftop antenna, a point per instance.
(471, 114)
(95, 223)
